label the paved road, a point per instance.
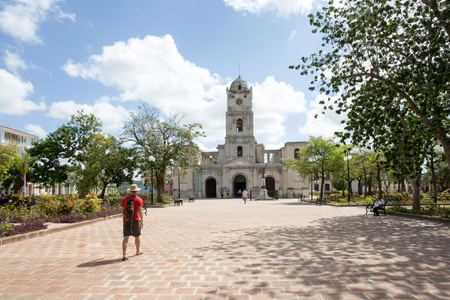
(223, 249)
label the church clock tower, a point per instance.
(240, 142)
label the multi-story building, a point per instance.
(21, 140)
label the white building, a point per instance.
(239, 163)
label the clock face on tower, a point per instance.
(239, 101)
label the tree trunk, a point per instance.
(102, 195)
(444, 143)
(380, 189)
(160, 185)
(415, 183)
(321, 185)
(433, 178)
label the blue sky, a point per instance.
(108, 56)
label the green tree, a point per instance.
(321, 156)
(17, 171)
(47, 167)
(163, 138)
(6, 158)
(62, 151)
(106, 162)
(385, 57)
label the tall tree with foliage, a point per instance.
(47, 167)
(61, 150)
(106, 162)
(386, 55)
(163, 138)
(321, 156)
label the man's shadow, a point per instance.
(99, 262)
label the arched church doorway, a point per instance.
(240, 183)
(210, 188)
(270, 186)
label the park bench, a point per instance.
(369, 207)
(393, 200)
(177, 202)
(321, 201)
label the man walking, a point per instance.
(244, 196)
(132, 227)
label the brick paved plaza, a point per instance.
(223, 249)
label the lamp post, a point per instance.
(179, 178)
(152, 159)
(347, 158)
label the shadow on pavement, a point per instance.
(98, 263)
(379, 252)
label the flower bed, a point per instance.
(18, 217)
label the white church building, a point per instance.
(241, 163)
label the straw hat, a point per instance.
(134, 188)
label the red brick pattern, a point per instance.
(223, 249)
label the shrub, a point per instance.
(444, 196)
(5, 228)
(91, 204)
(71, 218)
(30, 224)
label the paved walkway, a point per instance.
(223, 249)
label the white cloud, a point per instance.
(292, 35)
(283, 8)
(13, 62)
(325, 124)
(112, 117)
(13, 95)
(152, 70)
(21, 19)
(36, 130)
(273, 102)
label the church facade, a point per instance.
(241, 163)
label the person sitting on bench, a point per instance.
(376, 206)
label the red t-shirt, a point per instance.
(137, 202)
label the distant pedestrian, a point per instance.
(239, 193)
(244, 196)
(132, 227)
(221, 194)
(228, 194)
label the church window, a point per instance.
(296, 153)
(239, 125)
(239, 151)
(271, 157)
(266, 158)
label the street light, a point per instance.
(152, 159)
(347, 158)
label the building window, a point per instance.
(296, 153)
(239, 125)
(239, 151)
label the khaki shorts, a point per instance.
(132, 228)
